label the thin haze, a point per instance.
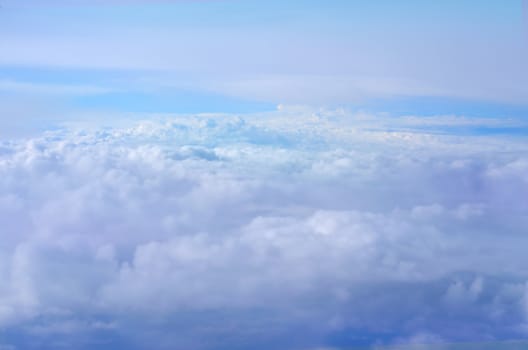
(296, 53)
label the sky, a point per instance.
(243, 174)
(73, 57)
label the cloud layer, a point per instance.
(298, 229)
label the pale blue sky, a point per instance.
(245, 55)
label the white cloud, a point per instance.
(223, 231)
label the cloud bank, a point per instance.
(298, 229)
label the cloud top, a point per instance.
(300, 229)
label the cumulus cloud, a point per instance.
(298, 229)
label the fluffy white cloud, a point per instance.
(297, 228)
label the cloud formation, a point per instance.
(298, 228)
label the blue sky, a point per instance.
(247, 56)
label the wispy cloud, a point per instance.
(14, 86)
(301, 59)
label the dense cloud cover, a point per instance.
(297, 229)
